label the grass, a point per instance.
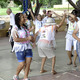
(17, 9)
(3, 10)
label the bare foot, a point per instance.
(54, 72)
(43, 71)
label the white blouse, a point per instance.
(20, 46)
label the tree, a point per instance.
(76, 6)
(40, 3)
(37, 8)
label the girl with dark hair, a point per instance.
(22, 46)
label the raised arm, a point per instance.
(31, 14)
(61, 23)
(57, 15)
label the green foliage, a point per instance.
(50, 3)
(17, 2)
(3, 4)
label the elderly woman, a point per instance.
(22, 46)
(45, 43)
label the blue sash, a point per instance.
(25, 5)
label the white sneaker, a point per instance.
(16, 77)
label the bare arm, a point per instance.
(61, 23)
(74, 34)
(36, 34)
(17, 39)
(31, 14)
(57, 15)
(31, 29)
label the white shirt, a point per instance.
(47, 36)
(28, 23)
(71, 28)
(20, 46)
(38, 24)
(47, 33)
(12, 21)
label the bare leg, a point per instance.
(53, 65)
(24, 66)
(69, 55)
(20, 67)
(71, 52)
(28, 62)
(75, 56)
(42, 65)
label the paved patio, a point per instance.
(8, 63)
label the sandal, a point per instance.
(54, 72)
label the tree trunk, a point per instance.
(37, 9)
(29, 5)
(78, 4)
(71, 2)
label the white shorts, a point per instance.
(70, 43)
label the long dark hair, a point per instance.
(18, 19)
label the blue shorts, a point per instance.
(21, 55)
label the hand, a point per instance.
(29, 37)
(32, 40)
(64, 14)
(79, 39)
(53, 12)
(34, 45)
(29, 10)
(9, 29)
